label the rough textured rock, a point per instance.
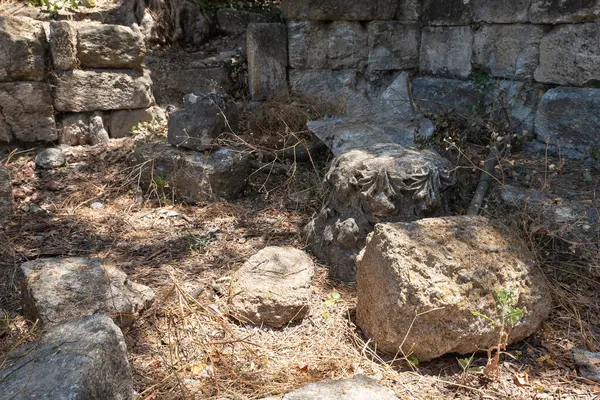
(6, 196)
(191, 175)
(588, 364)
(500, 11)
(63, 45)
(508, 51)
(450, 267)
(202, 120)
(393, 45)
(381, 183)
(446, 12)
(390, 118)
(348, 45)
(408, 10)
(273, 287)
(569, 118)
(447, 51)
(97, 133)
(553, 11)
(74, 129)
(121, 122)
(324, 83)
(442, 94)
(24, 48)
(569, 55)
(81, 359)
(307, 44)
(26, 112)
(336, 10)
(50, 158)
(267, 61)
(109, 46)
(78, 91)
(235, 22)
(56, 289)
(359, 387)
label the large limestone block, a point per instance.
(446, 12)
(81, 359)
(339, 10)
(109, 46)
(26, 112)
(445, 269)
(570, 119)
(500, 11)
(381, 183)
(508, 51)
(79, 91)
(393, 45)
(267, 60)
(63, 45)
(55, 290)
(6, 196)
(447, 51)
(193, 176)
(569, 55)
(273, 287)
(23, 49)
(555, 12)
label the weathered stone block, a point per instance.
(24, 49)
(327, 84)
(569, 55)
(570, 118)
(500, 11)
(446, 12)
(447, 51)
(26, 112)
(307, 44)
(81, 359)
(109, 46)
(555, 11)
(78, 91)
(408, 10)
(348, 45)
(443, 95)
(98, 133)
(339, 10)
(393, 45)
(267, 60)
(63, 45)
(6, 196)
(73, 129)
(508, 51)
(518, 99)
(235, 22)
(121, 122)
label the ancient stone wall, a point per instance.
(460, 53)
(75, 83)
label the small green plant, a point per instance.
(57, 5)
(332, 299)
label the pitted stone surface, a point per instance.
(24, 49)
(109, 46)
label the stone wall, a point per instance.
(75, 83)
(521, 48)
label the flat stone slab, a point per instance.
(81, 359)
(56, 289)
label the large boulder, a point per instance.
(267, 60)
(420, 284)
(6, 196)
(56, 289)
(339, 10)
(78, 90)
(193, 176)
(109, 46)
(81, 359)
(24, 49)
(273, 287)
(381, 183)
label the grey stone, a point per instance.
(203, 119)
(359, 387)
(307, 44)
(587, 363)
(381, 183)
(500, 11)
(193, 176)
(235, 22)
(81, 359)
(24, 49)
(445, 268)
(393, 45)
(267, 60)
(324, 83)
(97, 133)
(569, 118)
(348, 45)
(445, 95)
(446, 12)
(26, 112)
(50, 158)
(121, 122)
(6, 196)
(508, 51)
(518, 99)
(55, 290)
(63, 45)
(569, 55)
(408, 10)
(74, 129)
(339, 10)
(447, 51)
(214, 80)
(78, 91)
(273, 287)
(109, 46)
(559, 12)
